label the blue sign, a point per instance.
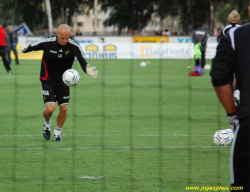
(185, 40)
(23, 30)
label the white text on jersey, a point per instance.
(52, 51)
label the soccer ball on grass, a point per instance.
(143, 64)
(71, 77)
(223, 137)
(207, 67)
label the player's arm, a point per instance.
(205, 39)
(222, 74)
(92, 71)
(225, 96)
(38, 45)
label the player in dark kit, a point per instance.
(234, 19)
(232, 57)
(200, 37)
(58, 56)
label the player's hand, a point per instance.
(233, 121)
(24, 47)
(92, 71)
(231, 118)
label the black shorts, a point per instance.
(52, 93)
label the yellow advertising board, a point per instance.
(109, 47)
(34, 55)
(92, 48)
(150, 39)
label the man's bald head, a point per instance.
(63, 34)
(63, 28)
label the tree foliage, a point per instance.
(19, 11)
(222, 14)
(63, 10)
(33, 12)
(192, 13)
(242, 7)
(130, 14)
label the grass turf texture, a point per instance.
(131, 129)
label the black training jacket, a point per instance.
(200, 35)
(233, 57)
(57, 58)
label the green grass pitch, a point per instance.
(131, 129)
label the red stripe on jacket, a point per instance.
(46, 72)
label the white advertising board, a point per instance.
(143, 51)
(93, 49)
(118, 39)
(188, 39)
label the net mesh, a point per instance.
(164, 156)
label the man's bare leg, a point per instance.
(47, 113)
(61, 118)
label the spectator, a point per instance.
(72, 34)
(12, 40)
(218, 34)
(166, 32)
(3, 52)
(78, 33)
(158, 32)
(144, 33)
(152, 33)
(174, 33)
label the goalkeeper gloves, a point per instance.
(92, 71)
(233, 121)
(24, 47)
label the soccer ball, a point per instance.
(223, 137)
(143, 64)
(230, 131)
(207, 67)
(71, 77)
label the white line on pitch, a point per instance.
(91, 177)
(112, 147)
(94, 135)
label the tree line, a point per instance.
(130, 14)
